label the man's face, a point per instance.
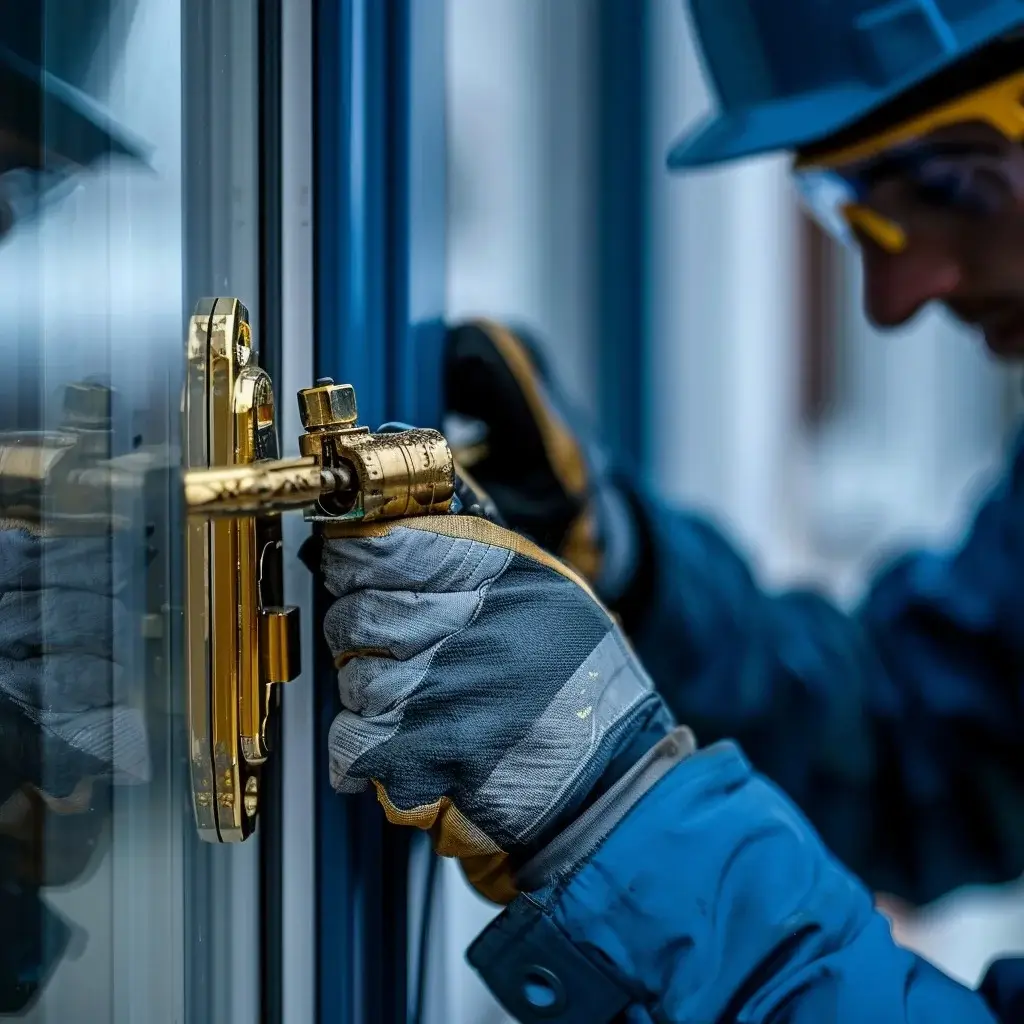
(958, 194)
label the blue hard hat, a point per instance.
(46, 48)
(787, 73)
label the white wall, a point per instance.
(520, 79)
(723, 315)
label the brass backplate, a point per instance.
(240, 640)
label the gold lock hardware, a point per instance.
(374, 476)
(241, 639)
(234, 608)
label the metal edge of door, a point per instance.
(419, 227)
(298, 810)
(285, 43)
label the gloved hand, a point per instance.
(548, 479)
(489, 698)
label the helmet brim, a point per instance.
(778, 127)
(787, 123)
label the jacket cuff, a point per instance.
(530, 965)
(576, 843)
(538, 975)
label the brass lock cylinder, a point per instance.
(396, 474)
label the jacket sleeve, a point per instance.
(896, 727)
(713, 900)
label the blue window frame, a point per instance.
(380, 291)
(622, 273)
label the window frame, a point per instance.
(379, 222)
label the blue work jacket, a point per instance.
(882, 750)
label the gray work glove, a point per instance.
(489, 698)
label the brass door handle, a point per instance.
(242, 640)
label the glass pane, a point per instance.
(120, 217)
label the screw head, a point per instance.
(328, 405)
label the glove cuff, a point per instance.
(574, 844)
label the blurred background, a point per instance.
(713, 335)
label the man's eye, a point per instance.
(975, 190)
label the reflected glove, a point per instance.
(489, 698)
(59, 613)
(549, 480)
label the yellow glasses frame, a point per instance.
(1000, 105)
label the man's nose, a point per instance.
(897, 285)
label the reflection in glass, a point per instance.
(110, 910)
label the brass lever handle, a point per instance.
(259, 488)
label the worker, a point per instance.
(69, 724)
(650, 870)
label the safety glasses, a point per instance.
(902, 180)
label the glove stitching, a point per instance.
(475, 548)
(407, 586)
(477, 551)
(481, 594)
(531, 832)
(417, 687)
(442, 559)
(632, 660)
(388, 734)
